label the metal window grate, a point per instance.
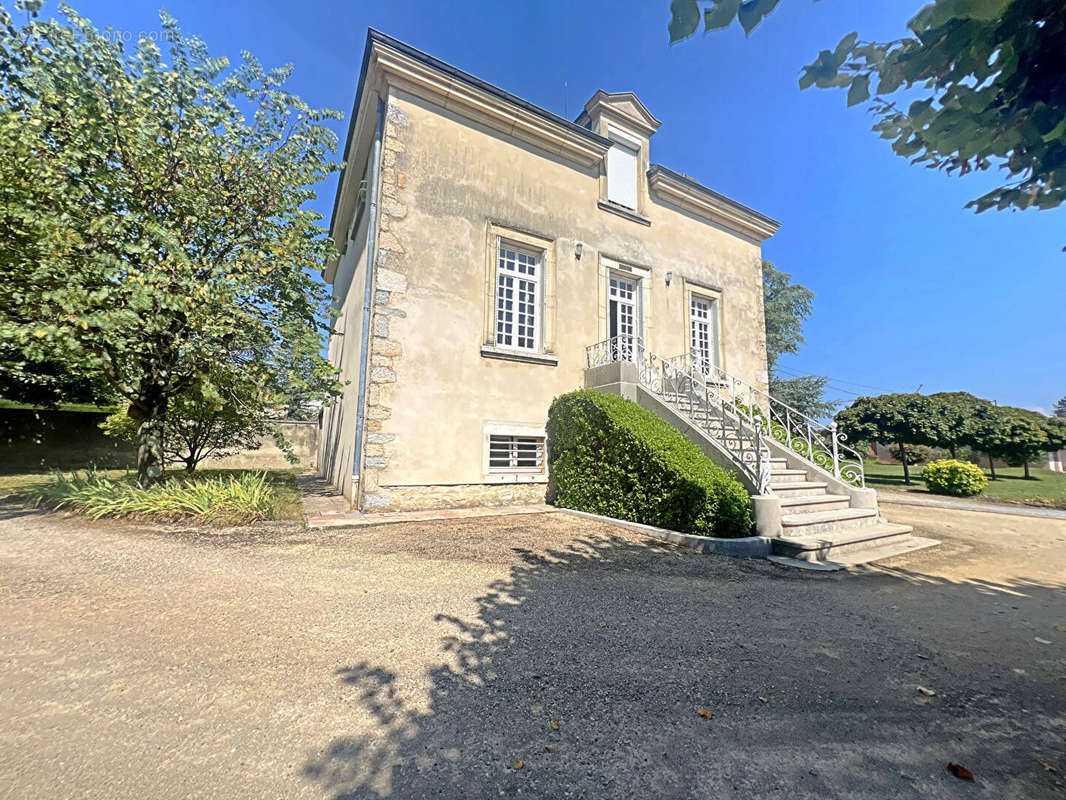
(516, 453)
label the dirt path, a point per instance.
(429, 659)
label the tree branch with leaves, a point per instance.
(150, 232)
(992, 80)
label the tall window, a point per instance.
(518, 297)
(623, 161)
(622, 307)
(703, 332)
(623, 313)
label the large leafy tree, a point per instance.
(1060, 408)
(903, 419)
(976, 84)
(786, 306)
(151, 221)
(954, 416)
(1018, 436)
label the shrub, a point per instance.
(915, 453)
(610, 456)
(957, 478)
(242, 498)
(200, 425)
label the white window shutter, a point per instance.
(622, 175)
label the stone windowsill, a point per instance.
(547, 359)
(622, 211)
(516, 477)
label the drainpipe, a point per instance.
(368, 297)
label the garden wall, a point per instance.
(42, 440)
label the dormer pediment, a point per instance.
(623, 107)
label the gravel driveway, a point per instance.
(536, 656)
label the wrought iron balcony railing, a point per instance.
(820, 445)
(691, 396)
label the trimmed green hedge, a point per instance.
(609, 456)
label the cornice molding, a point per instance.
(454, 94)
(711, 206)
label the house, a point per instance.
(494, 255)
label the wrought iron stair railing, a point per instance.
(818, 444)
(688, 394)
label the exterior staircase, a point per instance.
(820, 527)
(807, 486)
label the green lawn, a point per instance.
(1046, 488)
(283, 481)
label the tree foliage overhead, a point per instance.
(151, 221)
(991, 80)
(49, 382)
(786, 306)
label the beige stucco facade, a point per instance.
(461, 171)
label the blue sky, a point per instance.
(912, 289)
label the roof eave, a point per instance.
(417, 71)
(711, 205)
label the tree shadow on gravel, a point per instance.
(582, 675)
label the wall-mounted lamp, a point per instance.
(669, 277)
(577, 250)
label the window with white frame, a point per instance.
(516, 453)
(703, 332)
(518, 297)
(623, 307)
(623, 169)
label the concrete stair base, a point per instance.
(896, 547)
(829, 545)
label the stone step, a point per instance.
(800, 489)
(894, 546)
(824, 546)
(804, 505)
(781, 463)
(788, 475)
(799, 525)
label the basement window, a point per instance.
(512, 454)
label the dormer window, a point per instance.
(623, 160)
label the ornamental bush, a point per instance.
(609, 456)
(238, 498)
(958, 478)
